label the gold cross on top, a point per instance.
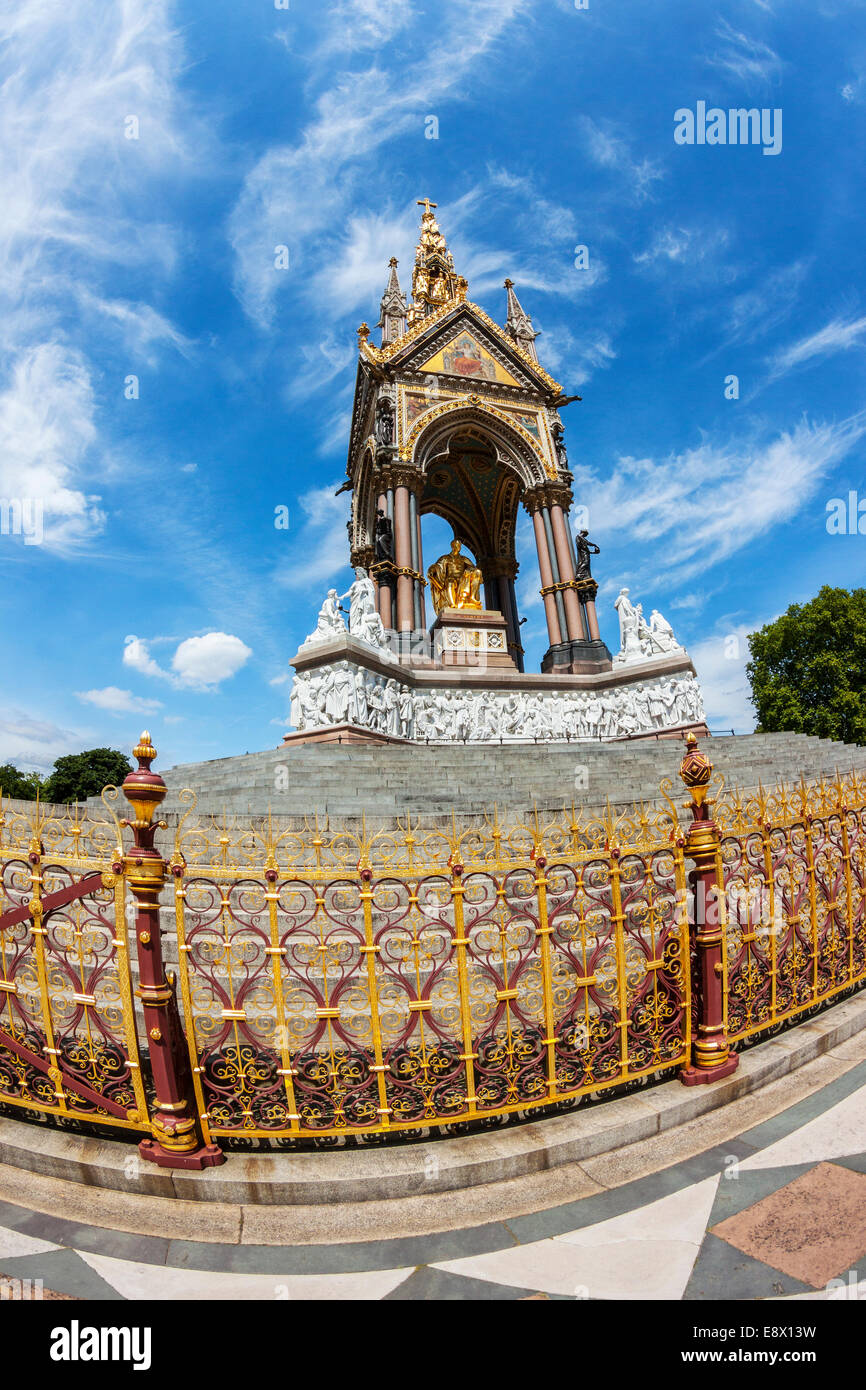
(426, 205)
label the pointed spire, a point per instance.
(392, 311)
(434, 279)
(518, 324)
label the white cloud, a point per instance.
(745, 59)
(686, 246)
(198, 662)
(296, 193)
(35, 743)
(46, 431)
(141, 325)
(753, 486)
(720, 662)
(78, 203)
(360, 24)
(754, 312)
(355, 270)
(611, 150)
(837, 336)
(118, 701)
(574, 357)
(136, 654)
(208, 660)
(318, 550)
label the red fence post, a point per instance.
(177, 1139)
(711, 1053)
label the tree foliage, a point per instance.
(23, 786)
(808, 668)
(79, 775)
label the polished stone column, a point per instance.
(403, 548)
(415, 539)
(573, 615)
(546, 573)
(419, 565)
(554, 565)
(592, 620)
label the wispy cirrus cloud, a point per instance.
(297, 192)
(609, 148)
(355, 25)
(756, 311)
(318, 548)
(755, 485)
(78, 207)
(745, 59)
(839, 335)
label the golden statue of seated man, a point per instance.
(454, 581)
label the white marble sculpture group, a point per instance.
(640, 640)
(345, 692)
(364, 621)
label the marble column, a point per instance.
(419, 565)
(546, 574)
(554, 565)
(573, 616)
(592, 620)
(403, 547)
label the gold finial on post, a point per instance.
(144, 751)
(696, 771)
(145, 790)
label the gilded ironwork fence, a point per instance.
(68, 1039)
(364, 982)
(792, 864)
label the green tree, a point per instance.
(23, 786)
(80, 775)
(808, 668)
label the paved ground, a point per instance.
(779, 1212)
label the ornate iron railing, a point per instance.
(68, 1037)
(340, 982)
(792, 863)
(346, 983)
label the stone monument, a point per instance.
(454, 415)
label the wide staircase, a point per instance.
(341, 780)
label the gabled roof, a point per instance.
(412, 343)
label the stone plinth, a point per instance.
(340, 733)
(472, 637)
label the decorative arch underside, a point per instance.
(468, 486)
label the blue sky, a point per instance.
(162, 594)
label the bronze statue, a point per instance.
(454, 581)
(585, 550)
(384, 537)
